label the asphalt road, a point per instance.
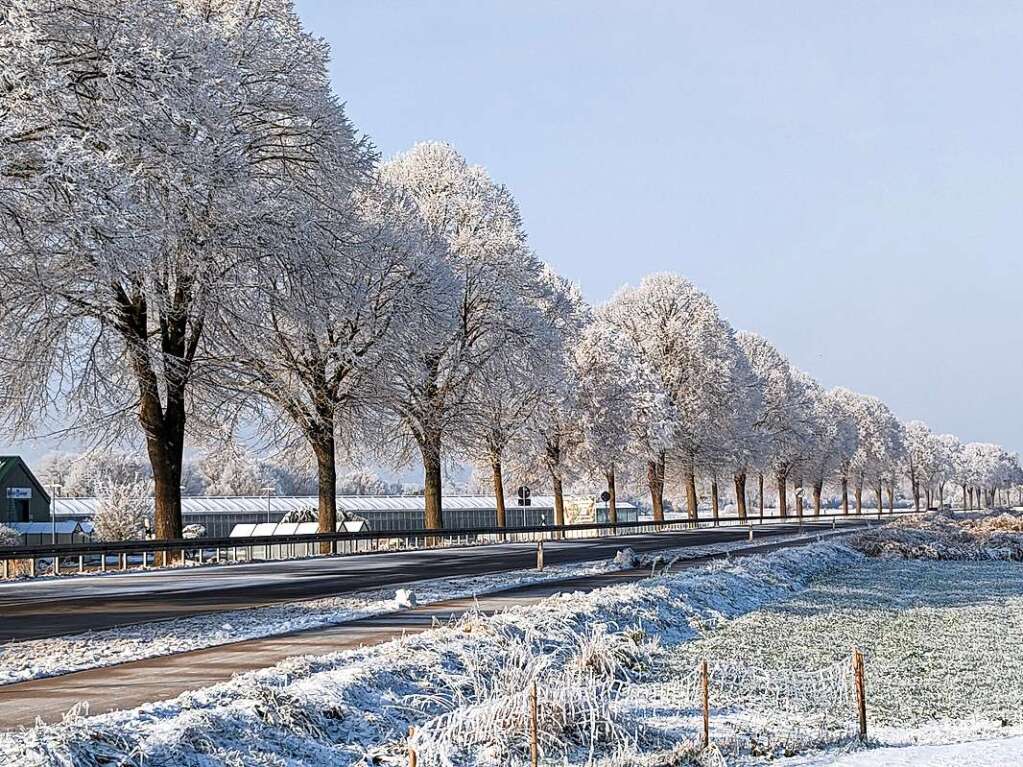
(54, 607)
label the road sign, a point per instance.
(524, 496)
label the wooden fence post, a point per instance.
(412, 758)
(705, 684)
(539, 556)
(534, 748)
(861, 691)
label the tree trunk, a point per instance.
(965, 507)
(783, 510)
(880, 499)
(760, 482)
(714, 500)
(612, 510)
(818, 488)
(326, 487)
(502, 516)
(916, 496)
(430, 448)
(559, 501)
(845, 496)
(166, 451)
(797, 497)
(970, 507)
(859, 497)
(691, 499)
(928, 498)
(891, 499)
(162, 421)
(655, 476)
(740, 495)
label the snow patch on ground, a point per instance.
(982, 753)
(35, 659)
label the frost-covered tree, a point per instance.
(880, 448)
(618, 392)
(81, 474)
(845, 406)
(924, 457)
(516, 381)
(144, 148)
(367, 482)
(833, 442)
(335, 310)
(783, 422)
(232, 469)
(496, 284)
(124, 511)
(949, 459)
(700, 368)
(549, 450)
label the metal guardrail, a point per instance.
(166, 551)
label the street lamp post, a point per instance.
(54, 490)
(269, 490)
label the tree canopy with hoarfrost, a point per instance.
(699, 366)
(145, 150)
(497, 283)
(783, 422)
(620, 402)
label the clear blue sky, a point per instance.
(844, 178)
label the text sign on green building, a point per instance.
(19, 493)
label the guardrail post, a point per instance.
(124, 560)
(56, 564)
(81, 563)
(539, 556)
(6, 570)
(751, 532)
(103, 562)
(32, 567)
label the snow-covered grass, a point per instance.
(944, 535)
(59, 655)
(462, 686)
(937, 638)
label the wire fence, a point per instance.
(729, 711)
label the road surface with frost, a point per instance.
(56, 607)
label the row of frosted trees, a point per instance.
(705, 400)
(198, 243)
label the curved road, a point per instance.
(55, 607)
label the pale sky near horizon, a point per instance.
(844, 178)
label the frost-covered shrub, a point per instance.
(943, 535)
(125, 510)
(193, 531)
(300, 515)
(9, 537)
